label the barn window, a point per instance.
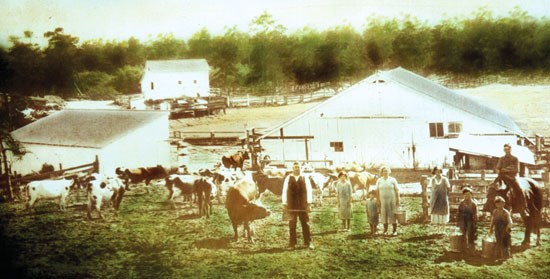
(179, 81)
(436, 130)
(454, 127)
(337, 145)
(152, 85)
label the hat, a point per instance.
(466, 190)
(499, 199)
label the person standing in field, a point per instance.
(388, 199)
(439, 202)
(297, 197)
(467, 219)
(501, 225)
(344, 190)
(372, 212)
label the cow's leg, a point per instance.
(30, 203)
(98, 208)
(235, 234)
(89, 209)
(528, 222)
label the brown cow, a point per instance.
(137, 175)
(242, 209)
(236, 160)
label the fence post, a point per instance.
(285, 100)
(96, 164)
(247, 100)
(425, 205)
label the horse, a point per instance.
(236, 160)
(532, 216)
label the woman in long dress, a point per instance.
(344, 189)
(388, 198)
(439, 202)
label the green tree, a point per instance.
(166, 46)
(25, 69)
(60, 62)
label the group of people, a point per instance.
(383, 203)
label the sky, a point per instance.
(121, 19)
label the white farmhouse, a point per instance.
(75, 137)
(169, 79)
(399, 119)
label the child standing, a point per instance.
(467, 219)
(372, 212)
(344, 200)
(501, 224)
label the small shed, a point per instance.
(72, 138)
(172, 79)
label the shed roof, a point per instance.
(85, 128)
(177, 66)
(432, 89)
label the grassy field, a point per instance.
(147, 239)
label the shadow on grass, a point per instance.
(324, 233)
(273, 250)
(424, 238)
(214, 243)
(359, 236)
(189, 216)
(476, 258)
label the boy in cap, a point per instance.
(501, 224)
(467, 219)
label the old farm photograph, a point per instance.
(274, 139)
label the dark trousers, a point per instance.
(304, 218)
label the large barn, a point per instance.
(400, 119)
(171, 79)
(75, 137)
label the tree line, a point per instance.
(268, 57)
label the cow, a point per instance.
(180, 185)
(532, 198)
(224, 179)
(236, 160)
(204, 190)
(50, 189)
(136, 175)
(186, 185)
(320, 182)
(104, 190)
(361, 181)
(241, 207)
(272, 183)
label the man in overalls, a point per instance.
(297, 197)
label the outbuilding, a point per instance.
(400, 119)
(173, 79)
(71, 138)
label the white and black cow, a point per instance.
(104, 190)
(50, 189)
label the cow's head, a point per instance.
(256, 211)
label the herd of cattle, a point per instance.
(239, 190)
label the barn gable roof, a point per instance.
(177, 66)
(421, 85)
(427, 87)
(85, 128)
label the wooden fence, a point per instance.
(11, 183)
(277, 99)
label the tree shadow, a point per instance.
(359, 236)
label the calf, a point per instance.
(204, 190)
(180, 185)
(318, 182)
(50, 189)
(241, 209)
(272, 183)
(104, 190)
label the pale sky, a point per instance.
(121, 19)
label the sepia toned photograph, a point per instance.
(275, 139)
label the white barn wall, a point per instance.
(145, 147)
(166, 85)
(378, 140)
(39, 154)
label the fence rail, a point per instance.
(277, 99)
